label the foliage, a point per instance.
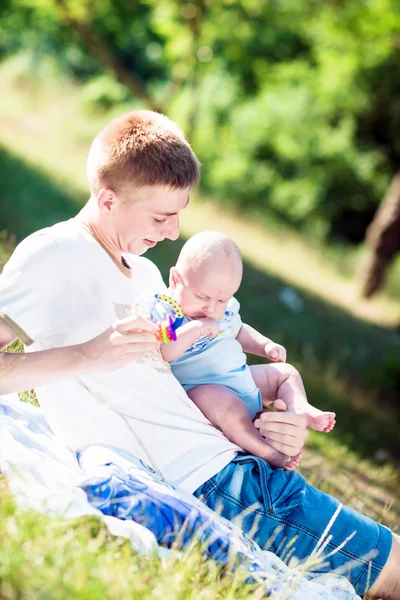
(300, 101)
(301, 141)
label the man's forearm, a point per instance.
(251, 340)
(21, 371)
(127, 340)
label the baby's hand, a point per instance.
(210, 327)
(275, 352)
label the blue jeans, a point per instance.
(286, 515)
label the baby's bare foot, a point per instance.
(320, 421)
(293, 462)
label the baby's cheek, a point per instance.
(189, 309)
(186, 304)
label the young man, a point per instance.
(67, 293)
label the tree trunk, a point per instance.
(383, 240)
(106, 58)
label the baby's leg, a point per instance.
(280, 380)
(224, 409)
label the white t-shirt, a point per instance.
(62, 288)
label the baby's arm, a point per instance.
(253, 342)
(186, 335)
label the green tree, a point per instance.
(293, 107)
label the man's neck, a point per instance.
(93, 224)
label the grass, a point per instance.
(42, 558)
(347, 349)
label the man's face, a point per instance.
(147, 217)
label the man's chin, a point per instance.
(140, 248)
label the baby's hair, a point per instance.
(209, 247)
(141, 148)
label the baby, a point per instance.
(208, 356)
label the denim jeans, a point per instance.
(286, 515)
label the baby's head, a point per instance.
(207, 274)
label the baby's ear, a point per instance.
(174, 277)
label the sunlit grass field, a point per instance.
(298, 293)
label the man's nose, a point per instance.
(172, 228)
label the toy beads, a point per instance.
(166, 330)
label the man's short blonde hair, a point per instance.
(141, 148)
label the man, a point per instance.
(67, 293)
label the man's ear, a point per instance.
(174, 277)
(106, 199)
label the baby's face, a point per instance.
(204, 294)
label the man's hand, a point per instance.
(275, 352)
(128, 339)
(284, 431)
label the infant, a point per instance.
(208, 356)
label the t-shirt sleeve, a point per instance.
(35, 292)
(235, 321)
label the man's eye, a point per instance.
(159, 220)
(199, 297)
(222, 301)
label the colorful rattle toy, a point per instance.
(166, 329)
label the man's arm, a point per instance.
(7, 337)
(186, 335)
(125, 341)
(253, 342)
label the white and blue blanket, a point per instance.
(100, 480)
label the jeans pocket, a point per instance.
(255, 490)
(279, 491)
(286, 490)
